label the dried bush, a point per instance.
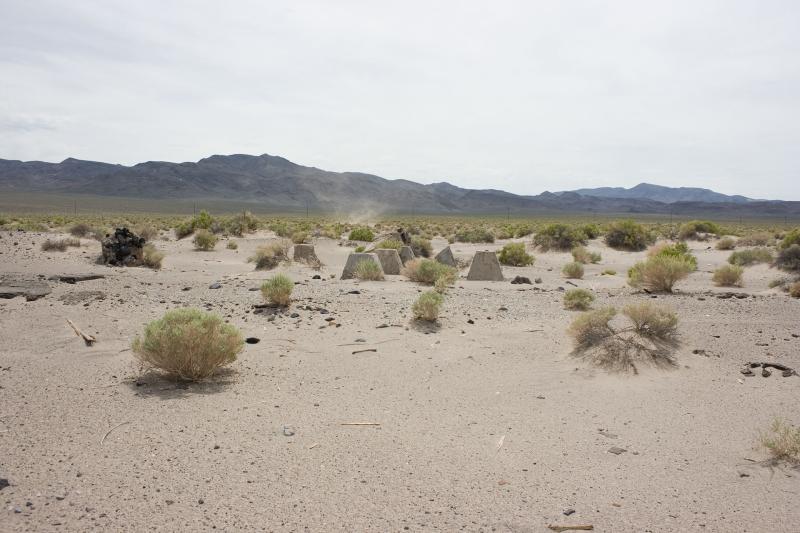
(782, 440)
(268, 256)
(628, 235)
(651, 320)
(694, 228)
(81, 230)
(204, 240)
(368, 271)
(726, 243)
(232, 245)
(421, 247)
(60, 245)
(278, 290)
(789, 259)
(151, 256)
(678, 249)
(427, 306)
(361, 234)
(750, 257)
(240, 224)
(299, 237)
(582, 255)
(148, 233)
(188, 344)
(514, 254)
(573, 270)
(559, 237)
(578, 299)
(592, 327)
(390, 244)
(757, 239)
(659, 273)
(791, 238)
(183, 230)
(794, 289)
(428, 271)
(728, 276)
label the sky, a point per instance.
(524, 96)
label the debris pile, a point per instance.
(123, 248)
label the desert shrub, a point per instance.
(232, 245)
(582, 255)
(573, 270)
(204, 240)
(514, 254)
(359, 249)
(368, 271)
(794, 289)
(59, 245)
(268, 256)
(278, 289)
(592, 327)
(778, 282)
(728, 276)
(726, 243)
(361, 234)
(750, 257)
(183, 230)
(390, 244)
(504, 232)
(693, 229)
(580, 299)
(679, 249)
(151, 256)
(148, 233)
(421, 247)
(592, 231)
(559, 237)
(789, 259)
(628, 235)
(188, 344)
(651, 320)
(203, 220)
(474, 235)
(523, 230)
(428, 271)
(782, 440)
(659, 273)
(80, 230)
(609, 272)
(757, 239)
(299, 237)
(427, 306)
(791, 238)
(240, 224)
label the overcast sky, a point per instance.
(518, 95)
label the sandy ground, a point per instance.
(491, 426)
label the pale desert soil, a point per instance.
(491, 426)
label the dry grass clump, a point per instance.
(578, 299)
(151, 256)
(188, 344)
(573, 270)
(582, 255)
(390, 244)
(726, 243)
(609, 272)
(789, 259)
(268, 256)
(368, 271)
(421, 247)
(146, 232)
(232, 245)
(278, 290)
(204, 240)
(660, 273)
(794, 289)
(429, 272)
(514, 254)
(750, 257)
(81, 230)
(299, 237)
(60, 245)
(761, 238)
(782, 440)
(427, 306)
(628, 235)
(651, 338)
(728, 276)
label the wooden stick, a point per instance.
(112, 429)
(360, 424)
(88, 339)
(367, 350)
(571, 528)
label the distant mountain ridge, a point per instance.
(667, 195)
(273, 182)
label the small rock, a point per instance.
(4, 483)
(616, 450)
(294, 315)
(316, 276)
(215, 286)
(568, 512)
(518, 280)
(537, 281)
(252, 340)
(470, 321)
(287, 431)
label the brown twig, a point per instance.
(365, 350)
(360, 424)
(112, 429)
(571, 528)
(88, 339)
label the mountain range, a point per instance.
(277, 183)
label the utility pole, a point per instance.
(306, 209)
(194, 210)
(508, 214)
(75, 208)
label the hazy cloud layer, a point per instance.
(523, 96)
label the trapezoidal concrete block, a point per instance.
(445, 257)
(390, 261)
(485, 267)
(406, 254)
(354, 259)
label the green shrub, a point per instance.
(628, 235)
(299, 237)
(202, 221)
(726, 243)
(421, 247)
(573, 270)
(728, 276)
(152, 257)
(188, 344)
(204, 240)
(240, 224)
(659, 273)
(427, 306)
(578, 299)
(359, 249)
(183, 230)
(390, 244)
(693, 229)
(428, 271)
(592, 231)
(362, 234)
(268, 256)
(514, 254)
(475, 235)
(368, 271)
(559, 237)
(789, 259)
(791, 238)
(582, 255)
(750, 257)
(278, 290)
(782, 441)
(679, 249)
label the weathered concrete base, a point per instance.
(353, 260)
(485, 267)
(445, 257)
(305, 253)
(406, 254)
(390, 261)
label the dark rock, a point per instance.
(518, 280)
(215, 286)
(316, 276)
(123, 248)
(537, 280)
(294, 315)
(470, 321)
(75, 278)
(4, 483)
(616, 450)
(30, 289)
(354, 292)
(568, 512)
(252, 340)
